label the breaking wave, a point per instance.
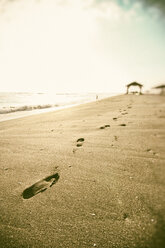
(6, 110)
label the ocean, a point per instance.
(19, 104)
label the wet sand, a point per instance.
(89, 176)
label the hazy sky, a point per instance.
(81, 45)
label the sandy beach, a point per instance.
(88, 176)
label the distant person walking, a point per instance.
(97, 97)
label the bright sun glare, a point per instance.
(72, 46)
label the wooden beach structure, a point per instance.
(162, 89)
(134, 84)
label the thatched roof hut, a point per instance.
(162, 88)
(134, 84)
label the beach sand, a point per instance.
(105, 190)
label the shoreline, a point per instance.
(90, 175)
(21, 114)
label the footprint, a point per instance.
(80, 140)
(103, 127)
(116, 138)
(79, 144)
(115, 118)
(151, 151)
(123, 125)
(125, 216)
(40, 186)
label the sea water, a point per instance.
(20, 104)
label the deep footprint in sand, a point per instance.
(105, 126)
(122, 125)
(40, 186)
(80, 142)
